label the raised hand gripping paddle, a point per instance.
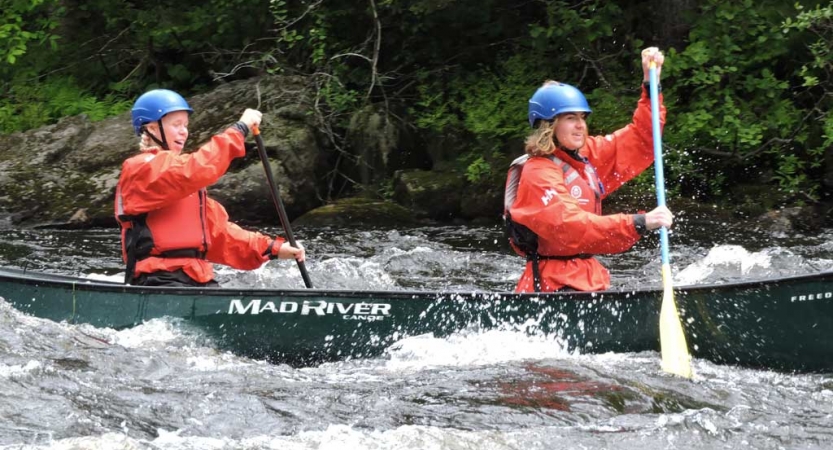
(276, 198)
(675, 357)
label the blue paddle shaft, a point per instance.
(658, 167)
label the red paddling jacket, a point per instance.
(168, 221)
(559, 199)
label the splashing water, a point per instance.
(162, 385)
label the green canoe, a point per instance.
(781, 324)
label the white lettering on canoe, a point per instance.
(319, 308)
(367, 312)
(810, 297)
(236, 307)
(380, 309)
(269, 306)
(362, 317)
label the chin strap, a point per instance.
(164, 142)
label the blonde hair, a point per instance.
(541, 142)
(146, 143)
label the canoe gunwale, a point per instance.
(73, 282)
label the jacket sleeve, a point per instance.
(544, 206)
(153, 180)
(232, 245)
(621, 156)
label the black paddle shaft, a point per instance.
(276, 198)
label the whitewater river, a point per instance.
(157, 386)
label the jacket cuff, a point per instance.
(639, 224)
(647, 86)
(242, 128)
(271, 251)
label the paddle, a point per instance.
(675, 357)
(276, 198)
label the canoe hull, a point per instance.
(778, 324)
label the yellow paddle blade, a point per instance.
(675, 357)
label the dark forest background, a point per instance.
(747, 83)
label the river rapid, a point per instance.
(159, 386)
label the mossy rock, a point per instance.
(358, 211)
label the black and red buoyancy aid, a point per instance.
(175, 231)
(587, 190)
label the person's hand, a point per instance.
(286, 251)
(648, 55)
(251, 117)
(659, 217)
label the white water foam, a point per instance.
(15, 371)
(117, 278)
(472, 349)
(733, 258)
(354, 273)
(153, 333)
(341, 273)
(335, 437)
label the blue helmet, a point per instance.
(153, 105)
(553, 99)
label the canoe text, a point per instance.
(808, 297)
(368, 312)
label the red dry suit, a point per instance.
(162, 206)
(565, 211)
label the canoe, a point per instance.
(779, 324)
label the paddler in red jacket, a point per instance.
(554, 192)
(171, 230)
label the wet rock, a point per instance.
(359, 211)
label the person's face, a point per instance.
(176, 130)
(571, 129)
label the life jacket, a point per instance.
(586, 190)
(175, 231)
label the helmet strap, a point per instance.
(162, 143)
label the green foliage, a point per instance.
(34, 105)
(568, 24)
(819, 22)
(484, 168)
(478, 170)
(339, 100)
(109, 52)
(827, 133)
(791, 175)
(611, 110)
(734, 106)
(794, 174)
(489, 101)
(432, 111)
(23, 22)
